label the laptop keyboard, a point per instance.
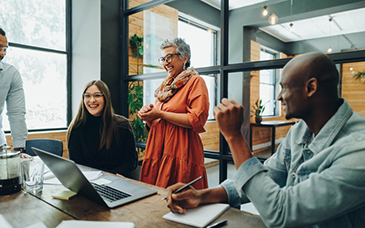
(110, 193)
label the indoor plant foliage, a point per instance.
(136, 45)
(135, 103)
(258, 110)
(135, 42)
(360, 76)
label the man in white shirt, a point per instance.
(11, 92)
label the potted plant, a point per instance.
(136, 45)
(360, 76)
(257, 111)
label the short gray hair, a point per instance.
(182, 48)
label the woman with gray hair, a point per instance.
(174, 150)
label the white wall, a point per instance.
(85, 46)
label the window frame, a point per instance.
(67, 52)
(223, 68)
(275, 83)
(204, 26)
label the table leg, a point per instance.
(273, 141)
(251, 137)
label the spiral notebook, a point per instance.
(200, 216)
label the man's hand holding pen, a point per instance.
(180, 197)
(179, 202)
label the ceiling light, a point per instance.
(273, 19)
(329, 50)
(264, 11)
(291, 14)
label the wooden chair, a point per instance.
(53, 146)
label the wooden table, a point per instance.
(22, 210)
(146, 212)
(273, 125)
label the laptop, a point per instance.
(115, 192)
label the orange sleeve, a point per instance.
(198, 104)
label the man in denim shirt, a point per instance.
(317, 176)
(11, 92)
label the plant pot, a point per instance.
(258, 119)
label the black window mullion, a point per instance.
(69, 60)
(30, 47)
(124, 29)
(223, 69)
(223, 85)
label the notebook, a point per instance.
(119, 191)
(200, 216)
(94, 224)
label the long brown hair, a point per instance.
(108, 128)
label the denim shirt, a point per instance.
(317, 185)
(11, 92)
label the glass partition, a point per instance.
(331, 28)
(212, 167)
(353, 85)
(134, 3)
(149, 28)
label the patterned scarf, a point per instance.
(170, 85)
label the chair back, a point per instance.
(53, 146)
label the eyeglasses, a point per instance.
(167, 58)
(4, 49)
(87, 96)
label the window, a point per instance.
(202, 54)
(268, 85)
(36, 32)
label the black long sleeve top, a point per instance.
(85, 142)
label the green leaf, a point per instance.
(258, 108)
(359, 75)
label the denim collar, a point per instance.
(329, 131)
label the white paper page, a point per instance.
(37, 225)
(250, 208)
(200, 216)
(92, 224)
(90, 175)
(4, 223)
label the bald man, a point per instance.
(316, 178)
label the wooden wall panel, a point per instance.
(255, 77)
(263, 135)
(259, 135)
(353, 90)
(59, 135)
(210, 138)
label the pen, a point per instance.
(185, 186)
(218, 224)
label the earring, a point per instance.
(184, 66)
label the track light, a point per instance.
(291, 14)
(329, 50)
(273, 19)
(264, 11)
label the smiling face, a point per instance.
(94, 100)
(176, 66)
(293, 94)
(3, 44)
